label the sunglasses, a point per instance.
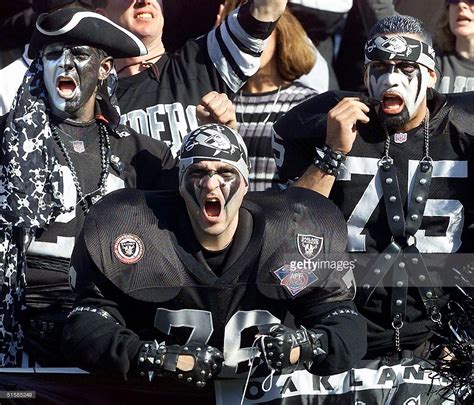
(459, 1)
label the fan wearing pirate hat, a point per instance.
(62, 150)
(399, 163)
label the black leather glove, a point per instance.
(278, 341)
(158, 359)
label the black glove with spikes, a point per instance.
(158, 359)
(278, 341)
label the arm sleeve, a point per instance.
(95, 335)
(327, 308)
(235, 46)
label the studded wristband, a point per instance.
(150, 360)
(328, 160)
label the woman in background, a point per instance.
(456, 42)
(271, 92)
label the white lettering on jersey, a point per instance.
(371, 197)
(64, 245)
(461, 84)
(152, 122)
(202, 328)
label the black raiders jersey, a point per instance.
(161, 101)
(358, 190)
(136, 161)
(147, 272)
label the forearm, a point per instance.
(343, 336)
(95, 338)
(316, 180)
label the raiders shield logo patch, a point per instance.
(309, 246)
(294, 280)
(128, 248)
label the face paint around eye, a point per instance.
(400, 90)
(213, 196)
(70, 77)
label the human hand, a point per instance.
(341, 123)
(216, 108)
(282, 347)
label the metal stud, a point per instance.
(141, 359)
(421, 277)
(429, 294)
(180, 376)
(388, 180)
(387, 257)
(392, 198)
(270, 345)
(422, 181)
(414, 217)
(399, 283)
(366, 286)
(419, 199)
(278, 363)
(377, 271)
(401, 265)
(270, 354)
(398, 303)
(414, 260)
(189, 379)
(396, 218)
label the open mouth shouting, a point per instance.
(66, 87)
(212, 208)
(392, 103)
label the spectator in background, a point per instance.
(271, 92)
(456, 41)
(158, 93)
(16, 26)
(322, 19)
(11, 76)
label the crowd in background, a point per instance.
(315, 47)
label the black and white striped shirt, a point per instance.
(256, 114)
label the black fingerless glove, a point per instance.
(278, 341)
(158, 359)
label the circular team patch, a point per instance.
(128, 248)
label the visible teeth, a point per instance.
(144, 15)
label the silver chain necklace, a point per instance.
(426, 141)
(87, 200)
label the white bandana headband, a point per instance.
(399, 47)
(214, 142)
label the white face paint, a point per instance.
(70, 77)
(399, 85)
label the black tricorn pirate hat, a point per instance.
(76, 26)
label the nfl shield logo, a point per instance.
(400, 137)
(309, 246)
(78, 146)
(294, 280)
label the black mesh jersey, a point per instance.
(358, 191)
(147, 271)
(136, 162)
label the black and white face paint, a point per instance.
(70, 75)
(401, 88)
